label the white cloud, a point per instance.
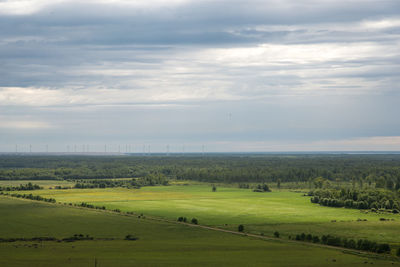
(10, 123)
(286, 55)
(26, 7)
(42, 97)
(381, 24)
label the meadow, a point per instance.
(158, 243)
(287, 212)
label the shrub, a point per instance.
(130, 237)
(315, 239)
(241, 228)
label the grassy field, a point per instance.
(159, 243)
(289, 213)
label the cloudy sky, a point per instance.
(271, 75)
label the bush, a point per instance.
(276, 234)
(241, 228)
(130, 237)
(194, 221)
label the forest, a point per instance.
(359, 199)
(380, 171)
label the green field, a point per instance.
(159, 243)
(290, 213)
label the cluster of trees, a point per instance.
(73, 238)
(90, 206)
(361, 244)
(148, 180)
(30, 196)
(21, 187)
(357, 199)
(380, 171)
(262, 188)
(61, 187)
(101, 183)
(77, 237)
(184, 219)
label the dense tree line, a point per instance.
(30, 196)
(358, 199)
(90, 206)
(21, 187)
(148, 180)
(380, 171)
(361, 244)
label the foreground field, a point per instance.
(159, 243)
(289, 213)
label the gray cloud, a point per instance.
(288, 71)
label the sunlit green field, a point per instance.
(159, 243)
(289, 213)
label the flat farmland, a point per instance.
(290, 213)
(158, 243)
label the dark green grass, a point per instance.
(159, 243)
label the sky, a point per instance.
(183, 75)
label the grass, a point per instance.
(159, 243)
(287, 212)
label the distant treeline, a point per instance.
(21, 187)
(357, 199)
(381, 171)
(361, 244)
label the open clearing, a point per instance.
(289, 213)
